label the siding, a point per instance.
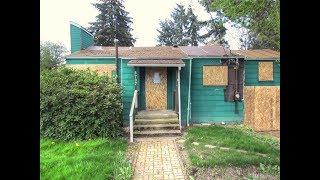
(252, 74)
(86, 40)
(80, 39)
(207, 102)
(184, 90)
(128, 88)
(171, 87)
(75, 34)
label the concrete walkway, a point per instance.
(157, 158)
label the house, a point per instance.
(167, 88)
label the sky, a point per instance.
(55, 16)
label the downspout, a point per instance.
(189, 94)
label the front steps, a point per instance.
(156, 123)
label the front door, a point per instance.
(156, 88)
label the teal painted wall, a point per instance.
(86, 39)
(252, 74)
(80, 39)
(184, 90)
(142, 92)
(171, 85)
(207, 102)
(127, 77)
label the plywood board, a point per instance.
(262, 107)
(215, 75)
(99, 68)
(265, 71)
(156, 93)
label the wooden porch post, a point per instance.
(179, 97)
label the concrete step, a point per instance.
(156, 121)
(156, 132)
(156, 114)
(156, 127)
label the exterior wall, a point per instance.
(80, 39)
(184, 90)
(171, 87)
(252, 74)
(127, 82)
(207, 102)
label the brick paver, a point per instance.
(157, 158)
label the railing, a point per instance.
(133, 110)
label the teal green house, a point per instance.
(180, 85)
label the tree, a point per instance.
(174, 31)
(51, 54)
(215, 25)
(113, 22)
(184, 29)
(260, 17)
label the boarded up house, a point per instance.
(167, 88)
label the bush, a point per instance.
(79, 105)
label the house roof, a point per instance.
(170, 52)
(165, 52)
(206, 51)
(157, 62)
(257, 54)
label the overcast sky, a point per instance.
(55, 16)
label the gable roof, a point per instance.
(166, 52)
(258, 54)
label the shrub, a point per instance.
(79, 105)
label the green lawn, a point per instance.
(92, 159)
(233, 138)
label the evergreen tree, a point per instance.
(184, 29)
(113, 22)
(215, 25)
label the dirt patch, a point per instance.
(230, 173)
(272, 133)
(249, 172)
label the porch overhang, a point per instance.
(156, 63)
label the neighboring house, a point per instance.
(204, 82)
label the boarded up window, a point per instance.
(215, 75)
(265, 71)
(99, 68)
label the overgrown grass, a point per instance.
(233, 138)
(92, 159)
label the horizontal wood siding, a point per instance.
(128, 89)
(80, 39)
(252, 74)
(207, 102)
(184, 89)
(86, 39)
(75, 34)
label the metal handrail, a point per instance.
(134, 106)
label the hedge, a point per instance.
(79, 105)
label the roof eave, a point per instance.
(156, 65)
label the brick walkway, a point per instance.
(157, 158)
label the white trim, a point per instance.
(79, 26)
(156, 65)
